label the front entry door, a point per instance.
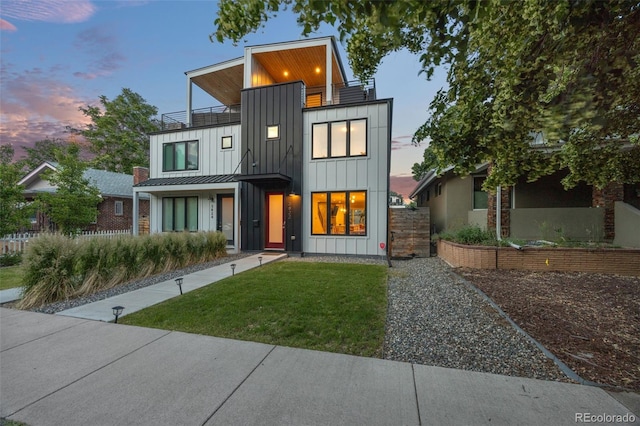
(225, 216)
(275, 221)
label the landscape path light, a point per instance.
(233, 269)
(260, 260)
(117, 310)
(179, 283)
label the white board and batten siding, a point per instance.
(212, 160)
(368, 173)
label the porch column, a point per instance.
(329, 72)
(189, 101)
(505, 210)
(136, 200)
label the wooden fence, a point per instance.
(17, 243)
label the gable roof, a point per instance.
(109, 184)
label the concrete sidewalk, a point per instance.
(10, 294)
(153, 294)
(59, 370)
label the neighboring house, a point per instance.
(533, 210)
(115, 211)
(395, 201)
(295, 159)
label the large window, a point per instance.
(339, 139)
(480, 198)
(180, 156)
(180, 214)
(339, 213)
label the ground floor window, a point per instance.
(180, 214)
(480, 196)
(339, 213)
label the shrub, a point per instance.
(472, 235)
(58, 267)
(11, 259)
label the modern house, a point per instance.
(533, 210)
(295, 157)
(115, 211)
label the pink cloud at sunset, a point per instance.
(7, 26)
(35, 107)
(55, 11)
(402, 185)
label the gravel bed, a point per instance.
(134, 285)
(434, 318)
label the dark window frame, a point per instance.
(348, 137)
(347, 214)
(186, 213)
(277, 126)
(222, 141)
(186, 156)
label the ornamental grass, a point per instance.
(57, 267)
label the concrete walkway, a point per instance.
(60, 370)
(153, 294)
(11, 294)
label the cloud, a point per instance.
(397, 144)
(55, 11)
(34, 105)
(102, 45)
(7, 26)
(403, 185)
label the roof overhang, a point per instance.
(266, 178)
(301, 60)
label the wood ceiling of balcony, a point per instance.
(224, 85)
(300, 64)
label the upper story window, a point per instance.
(273, 132)
(180, 156)
(227, 142)
(346, 138)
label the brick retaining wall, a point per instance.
(602, 260)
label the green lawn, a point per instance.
(10, 277)
(323, 306)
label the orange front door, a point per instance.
(275, 221)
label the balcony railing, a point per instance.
(221, 114)
(344, 93)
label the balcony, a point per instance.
(343, 94)
(221, 114)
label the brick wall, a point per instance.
(505, 211)
(109, 221)
(605, 261)
(409, 232)
(606, 198)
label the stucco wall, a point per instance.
(578, 224)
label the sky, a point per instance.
(59, 55)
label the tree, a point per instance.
(43, 150)
(565, 73)
(118, 133)
(14, 212)
(74, 204)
